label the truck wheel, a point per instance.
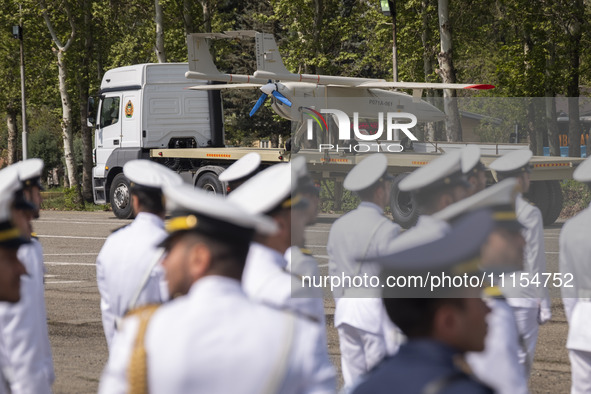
(539, 194)
(403, 208)
(556, 200)
(121, 197)
(210, 183)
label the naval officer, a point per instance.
(11, 269)
(574, 255)
(214, 340)
(240, 171)
(366, 335)
(23, 325)
(473, 169)
(435, 186)
(442, 325)
(266, 278)
(498, 364)
(531, 304)
(128, 274)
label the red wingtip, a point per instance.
(480, 86)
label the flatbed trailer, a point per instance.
(205, 164)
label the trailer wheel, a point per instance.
(210, 183)
(121, 197)
(556, 201)
(403, 208)
(539, 194)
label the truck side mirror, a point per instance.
(91, 111)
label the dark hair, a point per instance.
(227, 257)
(426, 199)
(414, 316)
(149, 199)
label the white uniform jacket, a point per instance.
(121, 265)
(305, 268)
(498, 365)
(217, 341)
(354, 238)
(267, 280)
(575, 265)
(25, 344)
(426, 230)
(534, 259)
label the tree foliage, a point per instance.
(525, 48)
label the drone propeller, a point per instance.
(269, 89)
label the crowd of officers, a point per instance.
(211, 300)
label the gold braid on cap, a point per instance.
(11, 233)
(472, 265)
(504, 216)
(181, 223)
(290, 202)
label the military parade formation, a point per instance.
(203, 293)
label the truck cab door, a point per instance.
(130, 120)
(108, 134)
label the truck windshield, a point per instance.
(109, 111)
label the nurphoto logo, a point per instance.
(393, 126)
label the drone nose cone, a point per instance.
(268, 88)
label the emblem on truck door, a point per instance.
(128, 109)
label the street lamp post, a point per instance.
(389, 9)
(17, 32)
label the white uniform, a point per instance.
(366, 334)
(527, 302)
(305, 266)
(25, 344)
(216, 340)
(266, 280)
(574, 258)
(121, 265)
(498, 365)
(427, 229)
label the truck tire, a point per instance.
(404, 210)
(210, 183)
(556, 201)
(121, 197)
(539, 194)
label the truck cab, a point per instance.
(143, 107)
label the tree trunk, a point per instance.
(550, 104)
(160, 54)
(67, 134)
(188, 16)
(448, 75)
(83, 88)
(205, 4)
(12, 127)
(574, 30)
(530, 116)
(552, 126)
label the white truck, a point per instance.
(143, 107)
(145, 111)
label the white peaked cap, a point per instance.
(210, 212)
(242, 167)
(264, 191)
(500, 194)
(150, 174)
(583, 171)
(366, 173)
(437, 171)
(512, 161)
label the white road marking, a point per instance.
(67, 236)
(79, 222)
(70, 254)
(53, 282)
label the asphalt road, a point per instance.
(72, 240)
